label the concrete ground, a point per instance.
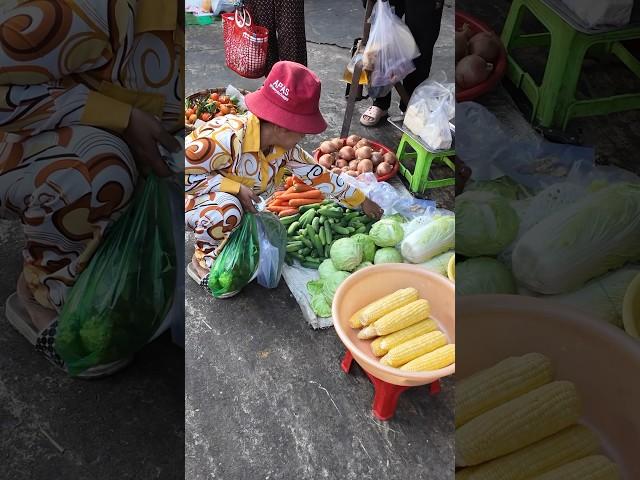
(265, 396)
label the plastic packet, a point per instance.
(233, 92)
(273, 248)
(390, 50)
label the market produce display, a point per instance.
(208, 105)
(286, 203)
(513, 420)
(404, 335)
(355, 155)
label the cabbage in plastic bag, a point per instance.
(486, 224)
(483, 275)
(581, 241)
(433, 239)
(439, 264)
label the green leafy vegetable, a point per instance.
(326, 268)
(346, 254)
(426, 242)
(483, 275)
(386, 233)
(387, 255)
(367, 244)
(331, 284)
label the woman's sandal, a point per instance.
(43, 340)
(372, 116)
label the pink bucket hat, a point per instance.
(289, 98)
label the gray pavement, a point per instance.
(265, 396)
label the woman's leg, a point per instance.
(292, 39)
(212, 217)
(67, 187)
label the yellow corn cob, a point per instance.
(594, 467)
(396, 338)
(387, 304)
(517, 423)
(439, 358)
(566, 446)
(377, 350)
(414, 348)
(496, 385)
(354, 321)
(398, 319)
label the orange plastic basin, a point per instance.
(600, 359)
(372, 283)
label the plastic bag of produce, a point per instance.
(272, 237)
(390, 49)
(237, 263)
(581, 241)
(126, 291)
(434, 238)
(612, 13)
(431, 107)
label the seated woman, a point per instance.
(82, 110)
(233, 158)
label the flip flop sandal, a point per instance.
(44, 341)
(372, 116)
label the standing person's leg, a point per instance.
(423, 19)
(292, 39)
(264, 14)
(212, 217)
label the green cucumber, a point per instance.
(327, 232)
(340, 229)
(293, 227)
(311, 206)
(290, 219)
(322, 235)
(316, 224)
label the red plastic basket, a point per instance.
(245, 45)
(499, 69)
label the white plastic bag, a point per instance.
(611, 13)
(390, 49)
(431, 107)
(219, 6)
(272, 238)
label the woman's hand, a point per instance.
(372, 209)
(143, 135)
(247, 197)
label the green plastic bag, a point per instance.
(237, 263)
(125, 292)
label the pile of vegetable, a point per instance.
(476, 54)
(403, 334)
(355, 155)
(568, 243)
(353, 243)
(206, 107)
(286, 203)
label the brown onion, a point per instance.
(390, 158)
(353, 164)
(364, 152)
(342, 163)
(336, 170)
(383, 169)
(327, 147)
(376, 158)
(352, 140)
(344, 169)
(471, 71)
(338, 143)
(328, 158)
(363, 143)
(348, 153)
(325, 163)
(486, 45)
(365, 165)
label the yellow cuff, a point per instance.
(105, 112)
(356, 199)
(229, 186)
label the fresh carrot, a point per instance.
(302, 187)
(280, 202)
(311, 194)
(297, 180)
(298, 202)
(286, 213)
(278, 193)
(288, 182)
(279, 208)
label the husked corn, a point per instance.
(566, 446)
(594, 467)
(354, 321)
(396, 338)
(439, 358)
(398, 319)
(517, 423)
(387, 304)
(500, 383)
(414, 348)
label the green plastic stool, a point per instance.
(554, 102)
(419, 182)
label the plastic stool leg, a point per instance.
(434, 388)
(421, 173)
(347, 360)
(385, 398)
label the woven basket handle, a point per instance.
(246, 19)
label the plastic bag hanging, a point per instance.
(390, 49)
(273, 248)
(125, 292)
(237, 264)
